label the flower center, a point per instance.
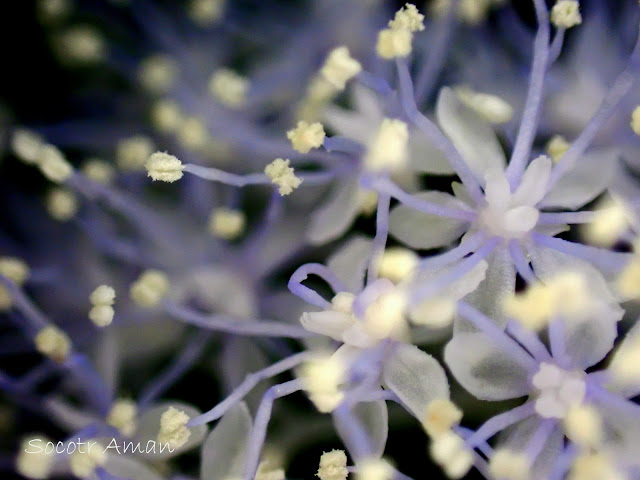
(558, 390)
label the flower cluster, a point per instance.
(219, 234)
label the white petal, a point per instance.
(462, 194)
(497, 190)
(589, 338)
(592, 173)
(534, 182)
(367, 103)
(127, 467)
(456, 289)
(425, 158)
(374, 418)
(331, 324)
(622, 429)
(224, 450)
(518, 437)
(470, 133)
(421, 230)
(485, 370)
(336, 215)
(349, 262)
(500, 282)
(415, 377)
(149, 426)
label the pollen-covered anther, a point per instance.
(625, 365)
(367, 201)
(193, 134)
(15, 270)
(26, 145)
(53, 164)
(33, 463)
(532, 309)
(81, 44)
(609, 223)
(321, 378)
(99, 171)
(150, 288)
(389, 148)
(583, 425)
(226, 223)
(509, 465)
(635, 120)
(333, 466)
(229, 88)
(123, 416)
(397, 263)
(628, 282)
(556, 147)
(374, 469)
(52, 11)
(385, 317)
(164, 167)
(133, 152)
(62, 204)
(408, 18)
(306, 137)
(436, 312)
(493, 108)
(340, 67)
(394, 43)
(343, 302)
(157, 73)
(268, 471)
(84, 463)
(570, 292)
(566, 14)
(166, 116)
(449, 451)
(102, 299)
(594, 466)
(282, 175)
(173, 430)
(441, 415)
(206, 12)
(53, 343)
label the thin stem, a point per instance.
(467, 246)
(380, 240)
(183, 362)
(599, 257)
(623, 84)
(308, 295)
(440, 141)
(238, 326)
(530, 341)
(533, 105)
(422, 292)
(246, 386)
(259, 430)
(556, 46)
(521, 262)
(438, 48)
(386, 186)
(500, 422)
(556, 218)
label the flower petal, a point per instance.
(374, 418)
(149, 426)
(349, 262)
(534, 182)
(500, 282)
(421, 230)
(470, 133)
(484, 369)
(589, 338)
(224, 450)
(123, 466)
(328, 323)
(592, 173)
(335, 216)
(425, 158)
(415, 377)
